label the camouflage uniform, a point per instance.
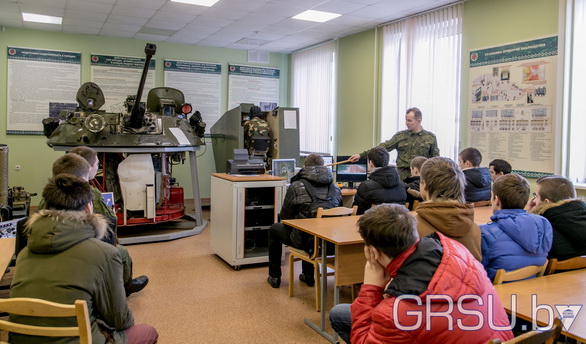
(410, 145)
(255, 127)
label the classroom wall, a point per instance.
(31, 151)
(356, 115)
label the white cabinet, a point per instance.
(242, 210)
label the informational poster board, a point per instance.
(119, 77)
(512, 102)
(251, 84)
(200, 82)
(41, 83)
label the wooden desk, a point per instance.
(348, 197)
(6, 253)
(349, 257)
(482, 215)
(561, 289)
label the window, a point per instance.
(574, 107)
(312, 91)
(421, 68)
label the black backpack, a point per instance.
(319, 202)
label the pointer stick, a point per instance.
(339, 162)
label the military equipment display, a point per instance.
(138, 149)
(266, 136)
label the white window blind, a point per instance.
(575, 107)
(421, 68)
(312, 91)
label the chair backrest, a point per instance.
(564, 265)
(481, 204)
(536, 337)
(519, 274)
(47, 309)
(337, 211)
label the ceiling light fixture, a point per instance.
(316, 16)
(39, 18)
(206, 3)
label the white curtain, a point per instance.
(421, 68)
(312, 91)
(575, 109)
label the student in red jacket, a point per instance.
(429, 290)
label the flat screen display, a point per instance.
(351, 172)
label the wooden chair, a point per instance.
(565, 265)
(296, 254)
(515, 275)
(42, 308)
(536, 337)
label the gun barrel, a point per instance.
(136, 115)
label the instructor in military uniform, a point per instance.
(409, 143)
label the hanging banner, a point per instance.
(119, 77)
(513, 97)
(253, 85)
(200, 82)
(41, 83)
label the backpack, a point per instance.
(319, 202)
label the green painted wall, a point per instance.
(356, 115)
(36, 158)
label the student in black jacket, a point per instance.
(478, 179)
(383, 184)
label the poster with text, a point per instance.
(512, 102)
(119, 77)
(200, 82)
(253, 85)
(40, 84)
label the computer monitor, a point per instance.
(351, 172)
(283, 168)
(328, 160)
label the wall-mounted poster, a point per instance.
(251, 84)
(200, 82)
(119, 77)
(41, 83)
(512, 102)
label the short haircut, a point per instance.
(471, 154)
(417, 162)
(444, 180)
(379, 156)
(500, 165)
(313, 160)
(71, 163)
(512, 190)
(555, 188)
(67, 192)
(416, 112)
(389, 228)
(87, 153)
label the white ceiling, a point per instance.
(239, 24)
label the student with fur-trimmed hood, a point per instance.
(66, 260)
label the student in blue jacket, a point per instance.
(514, 238)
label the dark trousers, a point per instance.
(280, 234)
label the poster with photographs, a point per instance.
(512, 100)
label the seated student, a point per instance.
(66, 260)
(498, 167)
(399, 264)
(514, 239)
(300, 204)
(555, 199)
(477, 178)
(75, 164)
(444, 210)
(383, 184)
(413, 182)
